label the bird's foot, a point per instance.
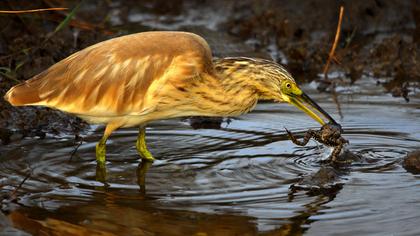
(100, 161)
(142, 147)
(145, 154)
(100, 153)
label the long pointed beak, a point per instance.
(304, 103)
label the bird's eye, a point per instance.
(288, 85)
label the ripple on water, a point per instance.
(241, 172)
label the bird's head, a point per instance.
(275, 83)
(291, 93)
(272, 82)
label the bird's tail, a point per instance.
(22, 95)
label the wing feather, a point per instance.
(116, 77)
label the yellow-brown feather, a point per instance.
(112, 78)
(138, 78)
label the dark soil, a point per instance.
(379, 38)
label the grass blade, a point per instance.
(66, 21)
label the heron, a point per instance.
(132, 80)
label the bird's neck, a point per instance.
(228, 93)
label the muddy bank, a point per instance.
(28, 46)
(379, 38)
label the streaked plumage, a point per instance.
(117, 78)
(138, 78)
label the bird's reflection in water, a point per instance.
(143, 167)
(295, 225)
(137, 214)
(101, 173)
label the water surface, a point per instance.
(229, 181)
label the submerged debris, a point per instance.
(329, 134)
(201, 122)
(412, 162)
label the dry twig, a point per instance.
(331, 56)
(75, 150)
(13, 194)
(337, 37)
(34, 10)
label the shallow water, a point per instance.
(231, 181)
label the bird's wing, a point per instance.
(116, 77)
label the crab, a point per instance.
(329, 135)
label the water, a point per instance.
(232, 181)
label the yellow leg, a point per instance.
(141, 146)
(101, 151)
(101, 146)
